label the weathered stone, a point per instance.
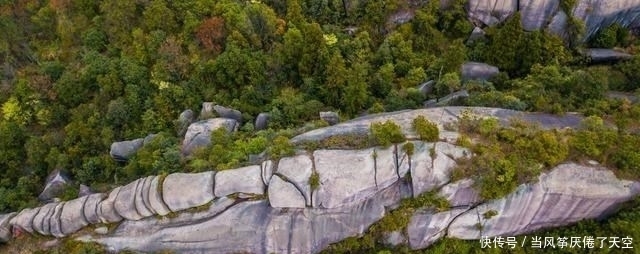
(144, 195)
(91, 207)
(84, 191)
(225, 112)
(142, 189)
(155, 198)
(606, 55)
(24, 219)
(184, 120)
(394, 238)
(72, 217)
(199, 133)
(262, 121)
(558, 24)
(207, 111)
(478, 71)
(54, 221)
(241, 180)
(40, 222)
(491, 12)
(535, 14)
(460, 193)
(101, 230)
(5, 228)
(297, 170)
(181, 191)
(106, 210)
(566, 195)
(427, 87)
(283, 194)
(426, 226)
(123, 150)
(476, 34)
(54, 185)
(386, 166)
(332, 118)
(267, 171)
(421, 168)
(346, 176)
(600, 14)
(125, 203)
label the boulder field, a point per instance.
(304, 203)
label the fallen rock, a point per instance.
(332, 118)
(125, 203)
(297, 170)
(84, 191)
(182, 191)
(262, 121)
(91, 207)
(427, 226)
(106, 210)
(246, 180)
(199, 133)
(427, 87)
(184, 120)
(207, 111)
(122, 151)
(606, 55)
(346, 176)
(55, 184)
(225, 112)
(283, 194)
(490, 12)
(567, 194)
(5, 228)
(72, 216)
(478, 71)
(24, 219)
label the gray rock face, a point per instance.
(297, 170)
(460, 193)
(262, 121)
(386, 166)
(246, 180)
(181, 191)
(267, 171)
(199, 133)
(426, 226)
(566, 195)
(125, 202)
(40, 222)
(330, 117)
(228, 113)
(84, 191)
(478, 71)
(491, 12)
(600, 14)
(252, 227)
(106, 211)
(72, 216)
(24, 219)
(432, 164)
(536, 14)
(207, 111)
(91, 207)
(55, 225)
(54, 185)
(5, 228)
(283, 194)
(184, 120)
(346, 176)
(122, 151)
(155, 198)
(427, 87)
(606, 55)
(558, 24)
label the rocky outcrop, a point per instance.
(536, 14)
(491, 12)
(297, 170)
(246, 180)
(55, 184)
(199, 133)
(478, 71)
(330, 117)
(606, 55)
(569, 193)
(181, 191)
(229, 113)
(123, 150)
(5, 230)
(184, 120)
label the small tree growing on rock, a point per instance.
(387, 133)
(427, 130)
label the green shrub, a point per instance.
(387, 133)
(314, 180)
(427, 130)
(408, 148)
(280, 147)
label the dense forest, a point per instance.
(78, 75)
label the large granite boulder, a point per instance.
(246, 180)
(181, 191)
(155, 197)
(283, 194)
(184, 120)
(330, 117)
(262, 121)
(297, 170)
(600, 14)
(535, 14)
(478, 71)
(72, 216)
(106, 210)
(199, 133)
(91, 206)
(125, 202)
(5, 228)
(55, 184)
(40, 222)
(230, 113)
(123, 150)
(207, 111)
(606, 55)
(569, 193)
(491, 12)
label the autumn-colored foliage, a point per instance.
(211, 34)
